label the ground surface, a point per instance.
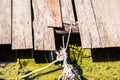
(108, 70)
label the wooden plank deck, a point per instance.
(49, 39)
(67, 11)
(107, 13)
(21, 25)
(98, 21)
(87, 24)
(39, 23)
(43, 36)
(54, 13)
(5, 21)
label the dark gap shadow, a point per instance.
(75, 39)
(58, 40)
(106, 54)
(11, 18)
(23, 54)
(32, 17)
(41, 56)
(32, 11)
(6, 54)
(74, 10)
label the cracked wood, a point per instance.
(43, 36)
(87, 25)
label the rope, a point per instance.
(69, 35)
(40, 69)
(63, 41)
(68, 70)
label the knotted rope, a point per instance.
(68, 71)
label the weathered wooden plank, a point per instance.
(43, 36)
(107, 13)
(87, 25)
(67, 11)
(5, 21)
(54, 13)
(39, 23)
(21, 25)
(49, 40)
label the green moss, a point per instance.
(91, 70)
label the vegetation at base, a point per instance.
(105, 70)
(109, 70)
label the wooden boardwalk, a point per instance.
(21, 25)
(99, 23)
(5, 22)
(27, 22)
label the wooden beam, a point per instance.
(54, 13)
(43, 36)
(87, 25)
(5, 21)
(21, 25)
(66, 29)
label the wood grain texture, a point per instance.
(67, 11)
(87, 25)
(43, 36)
(39, 23)
(21, 25)
(107, 13)
(49, 39)
(54, 13)
(5, 21)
